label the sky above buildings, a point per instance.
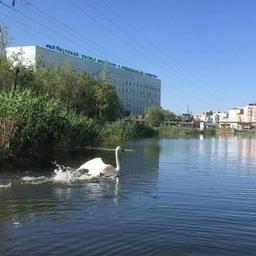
(203, 51)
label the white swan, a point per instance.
(96, 166)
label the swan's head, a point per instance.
(119, 148)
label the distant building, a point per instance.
(250, 113)
(223, 116)
(187, 117)
(236, 118)
(206, 117)
(137, 90)
(235, 115)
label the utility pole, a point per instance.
(2, 42)
(17, 70)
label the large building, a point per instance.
(137, 90)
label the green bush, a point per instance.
(143, 131)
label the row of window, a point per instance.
(137, 93)
(138, 85)
(141, 103)
(139, 99)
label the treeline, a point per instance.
(57, 108)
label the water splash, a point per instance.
(34, 180)
(5, 186)
(65, 175)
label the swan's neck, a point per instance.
(117, 160)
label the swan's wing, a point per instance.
(94, 166)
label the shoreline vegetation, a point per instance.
(34, 127)
(56, 109)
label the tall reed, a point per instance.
(31, 126)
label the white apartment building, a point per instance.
(250, 113)
(223, 116)
(235, 115)
(212, 117)
(137, 90)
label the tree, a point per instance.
(107, 103)
(78, 91)
(170, 116)
(154, 116)
(73, 88)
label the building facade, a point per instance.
(137, 90)
(250, 113)
(235, 115)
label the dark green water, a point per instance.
(174, 197)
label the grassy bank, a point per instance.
(176, 132)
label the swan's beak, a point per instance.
(127, 150)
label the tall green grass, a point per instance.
(31, 126)
(120, 131)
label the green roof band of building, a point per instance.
(89, 58)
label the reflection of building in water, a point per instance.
(144, 160)
(229, 152)
(248, 150)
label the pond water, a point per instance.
(173, 197)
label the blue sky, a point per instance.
(203, 51)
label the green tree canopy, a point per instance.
(107, 103)
(154, 116)
(170, 116)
